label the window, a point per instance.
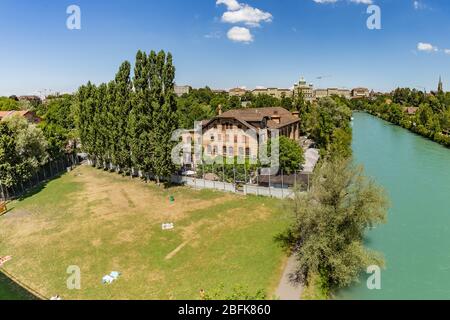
(241, 151)
(235, 139)
(214, 150)
(219, 138)
(227, 138)
(247, 152)
(212, 138)
(231, 151)
(224, 151)
(209, 148)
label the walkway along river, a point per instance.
(415, 173)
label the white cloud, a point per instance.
(213, 35)
(420, 5)
(247, 15)
(362, 1)
(232, 5)
(353, 1)
(447, 51)
(239, 34)
(242, 13)
(427, 47)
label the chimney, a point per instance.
(276, 118)
(296, 114)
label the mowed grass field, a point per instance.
(103, 222)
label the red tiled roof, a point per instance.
(247, 116)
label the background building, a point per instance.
(274, 92)
(237, 92)
(306, 89)
(180, 90)
(360, 93)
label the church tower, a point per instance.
(440, 86)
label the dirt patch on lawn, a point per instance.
(124, 197)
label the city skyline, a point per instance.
(225, 44)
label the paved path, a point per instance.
(286, 290)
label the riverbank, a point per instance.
(407, 123)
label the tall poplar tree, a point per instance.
(165, 120)
(141, 115)
(122, 109)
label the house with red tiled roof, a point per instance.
(238, 133)
(29, 115)
(410, 110)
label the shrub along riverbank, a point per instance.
(425, 114)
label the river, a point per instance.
(415, 173)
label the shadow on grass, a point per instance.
(10, 290)
(38, 188)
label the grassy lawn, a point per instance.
(103, 222)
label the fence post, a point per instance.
(223, 166)
(3, 193)
(270, 190)
(257, 184)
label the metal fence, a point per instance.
(45, 173)
(274, 186)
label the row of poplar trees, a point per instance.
(128, 123)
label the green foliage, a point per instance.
(22, 150)
(331, 220)
(291, 156)
(165, 120)
(228, 169)
(430, 120)
(237, 293)
(58, 125)
(7, 104)
(329, 125)
(129, 123)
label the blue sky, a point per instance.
(279, 42)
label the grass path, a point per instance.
(102, 222)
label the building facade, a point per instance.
(304, 88)
(180, 90)
(360, 93)
(322, 93)
(274, 92)
(237, 92)
(238, 133)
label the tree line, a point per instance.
(425, 114)
(128, 123)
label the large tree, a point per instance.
(141, 124)
(331, 220)
(121, 111)
(165, 120)
(22, 151)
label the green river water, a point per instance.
(416, 241)
(415, 173)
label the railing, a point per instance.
(45, 173)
